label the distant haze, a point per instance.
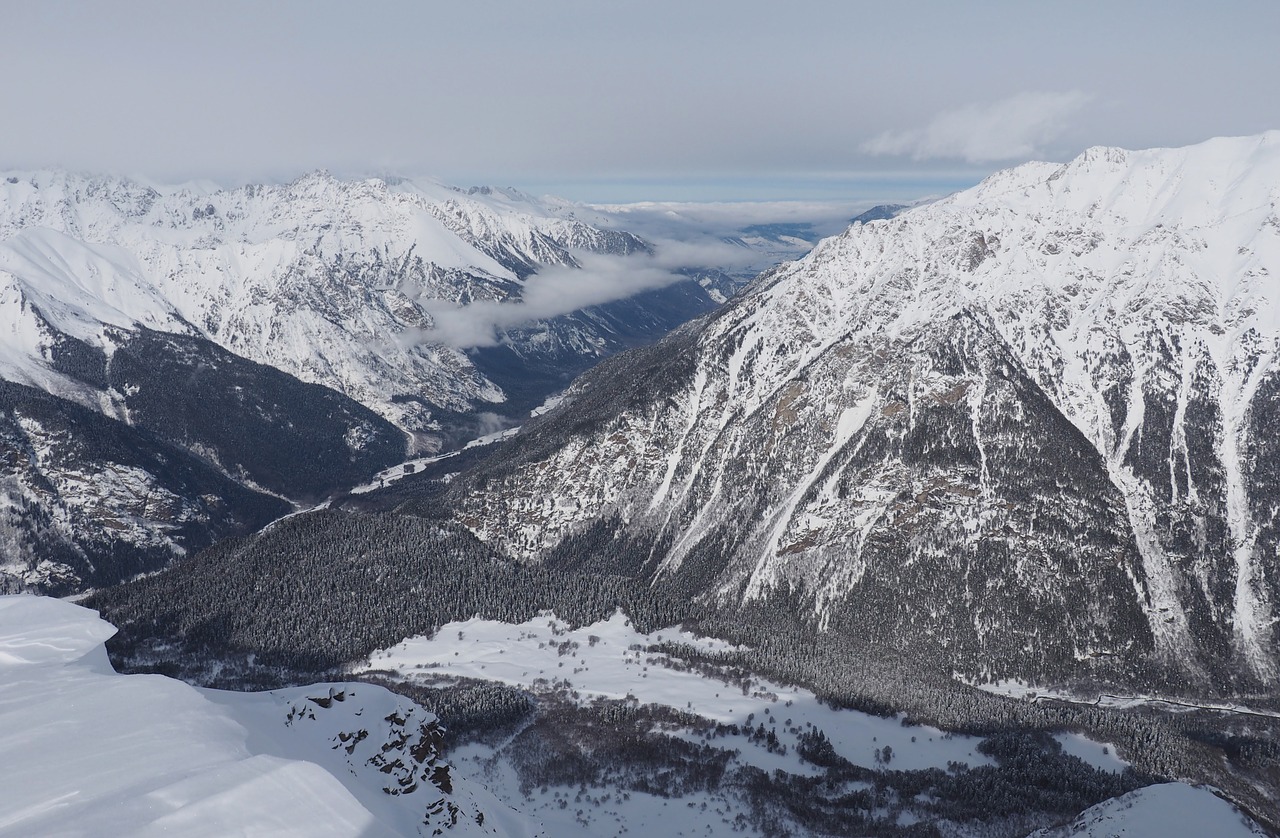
(614, 101)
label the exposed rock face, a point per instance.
(86, 500)
(1024, 431)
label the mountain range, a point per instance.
(1025, 431)
(293, 339)
(1003, 463)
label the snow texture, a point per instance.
(609, 659)
(87, 752)
(1162, 811)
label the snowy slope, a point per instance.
(1039, 408)
(89, 752)
(1161, 811)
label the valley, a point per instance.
(337, 328)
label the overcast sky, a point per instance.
(613, 101)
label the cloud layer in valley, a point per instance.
(557, 290)
(685, 237)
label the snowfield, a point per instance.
(611, 660)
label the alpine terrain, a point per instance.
(962, 524)
(1026, 432)
(226, 354)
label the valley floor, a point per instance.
(838, 762)
(616, 732)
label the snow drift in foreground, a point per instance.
(86, 751)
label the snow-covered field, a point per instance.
(609, 660)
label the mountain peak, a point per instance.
(839, 439)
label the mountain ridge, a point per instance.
(1139, 305)
(335, 282)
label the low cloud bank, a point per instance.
(685, 236)
(549, 293)
(675, 222)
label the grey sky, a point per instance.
(604, 100)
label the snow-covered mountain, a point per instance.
(89, 752)
(288, 336)
(330, 281)
(1027, 430)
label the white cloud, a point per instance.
(683, 234)
(698, 253)
(664, 221)
(550, 293)
(1011, 129)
